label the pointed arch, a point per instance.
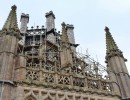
(30, 98)
(65, 97)
(48, 98)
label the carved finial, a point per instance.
(14, 7)
(37, 27)
(59, 32)
(32, 27)
(50, 13)
(63, 24)
(106, 29)
(42, 27)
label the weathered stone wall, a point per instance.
(24, 92)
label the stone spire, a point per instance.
(110, 43)
(9, 37)
(117, 69)
(111, 46)
(11, 22)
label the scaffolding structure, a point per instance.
(42, 53)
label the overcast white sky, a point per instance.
(89, 18)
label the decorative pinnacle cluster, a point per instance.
(11, 22)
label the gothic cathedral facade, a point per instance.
(42, 64)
